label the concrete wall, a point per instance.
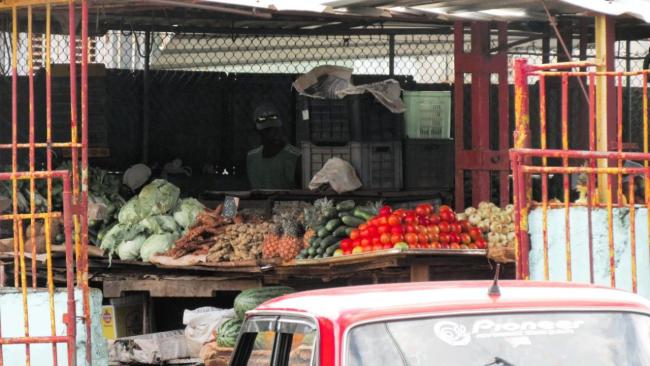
(11, 316)
(580, 247)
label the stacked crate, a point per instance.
(357, 129)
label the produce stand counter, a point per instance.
(206, 280)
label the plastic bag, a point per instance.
(202, 324)
(340, 175)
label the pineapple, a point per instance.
(290, 243)
(271, 244)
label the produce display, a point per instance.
(147, 223)
(239, 242)
(228, 332)
(496, 223)
(328, 224)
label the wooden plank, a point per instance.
(420, 272)
(178, 287)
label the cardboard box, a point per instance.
(129, 314)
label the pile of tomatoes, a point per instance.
(419, 228)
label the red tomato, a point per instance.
(454, 245)
(382, 220)
(362, 227)
(355, 234)
(376, 247)
(444, 227)
(444, 238)
(465, 225)
(383, 229)
(453, 237)
(347, 252)
(423, 238)
(397, 229)
(420, 210)
(472, 246)
(410, 220)
(433, 229)
(394, 220)
(357, 250)
(346, 244)
(445, 208)
(447, 216)
(411, 238)
(409, 229)
(356, 243)
(426, 208)
(363, 234)
(475, 233)
(375, 241)
(400, 212)
(387, 246)
(456, 227)
(434, 219)
(385, 211)
(421, 229)
(396, 238)
(434, 245)
(432, 237)
(366, 249)
(373, 232)
(481, 244)
(385, 238)
(366, 243)
(465, 238)
(423, 220)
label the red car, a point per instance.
(449, 324)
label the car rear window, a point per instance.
(533, 339)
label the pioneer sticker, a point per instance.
(457, 334)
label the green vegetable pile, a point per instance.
(150, 222)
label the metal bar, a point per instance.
(591, 180)
(610, 236)
(14, 132)
(73, 129)
(619, 136)
(575, 170)
(23, 287)
(52, 145)
(514, 162)
(646, 182)
(84, 181)
(602, 132)
(628, 88)
(459, 84)
(545, 224)
(48, 154)
(32, 132)
(36, 175)
(33, 340)
(70, 319)
(632, 232)
(145, 97)
(587, 73)
(542, 116)
(7, 217)
(579, 154)
(255, 13)
(562, 65)
(391, 55)
(565, 163)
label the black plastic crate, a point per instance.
(381, 165)
(353, 118)
(325, 121)
(428, 163)
(376, 122)
(378, 164)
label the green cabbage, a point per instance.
(130, 249)
(160, 224)
(155, 244)
(130, 212)
(186, 212)
(117, 234)
(158, 198)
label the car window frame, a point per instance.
(284, 327)
(345, 349)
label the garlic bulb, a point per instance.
(474, 219)
(470, 211)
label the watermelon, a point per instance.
(252, 298)
(228, 332)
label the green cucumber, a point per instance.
(345, 213)
(364, 215)
(300, 256)
(345, 205)
(320, 250)
(315, 243)
(348, 230)
(318, 256)
(312, 240)
(352, 221)
(332, 248)
(333, 224)
(311, 251)
(303, 253)
(326, 242)
(323, 232)
(341, 231)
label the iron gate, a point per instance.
(24, 16)
(613, 185)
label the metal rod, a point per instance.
(545, 224)
(610, 234)
(591, 180)
(23, 287)
(145, 97)
(32, 132)
(70, 318)
(565, 177)
(632, 199)
(619, 136)
(628, 87)
(391, 55)
(14, 133)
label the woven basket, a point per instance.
(502, 254)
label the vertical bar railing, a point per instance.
(582, 164)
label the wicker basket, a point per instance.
(502, 254)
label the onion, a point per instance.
(505, 219)
(510, 237)
(474, 219)
(470, 211)
(461, 216)
(484, 225)
(495, 227)
(483, 205)
(493, 237)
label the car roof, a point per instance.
(348, 305)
